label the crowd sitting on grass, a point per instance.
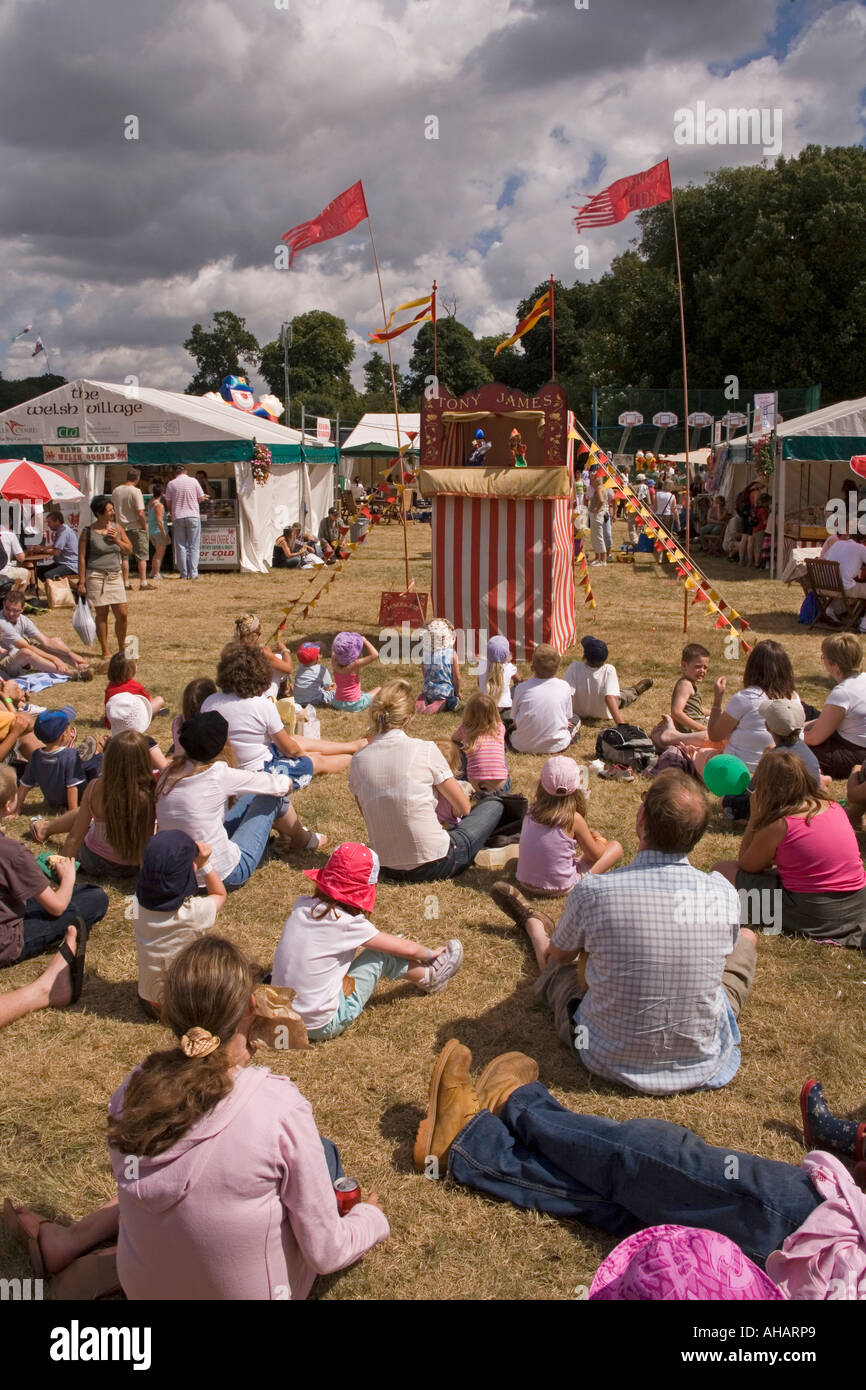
(646, 967)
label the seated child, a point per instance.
(315, 955)
(555, 832)
(441, 669)
(167, 911)
(346, 650)
(128, 711)
(445, 813)
(595, 684)
(786, 720)
(194, 695)
(481, 736)
(687, 710)
(57, 768)
(498, 673)
(541, 708)
(314, 684)
(121, 680)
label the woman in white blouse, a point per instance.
(395, 780)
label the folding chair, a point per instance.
(824, 580)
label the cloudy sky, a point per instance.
(254, 114)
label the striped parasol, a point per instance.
(24, 481)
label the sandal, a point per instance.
(38, 820)
(76, 961)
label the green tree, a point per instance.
(378, 395)
(320, 356)
(227, 348)
(507, 366)
(26, 388)
(459, 365)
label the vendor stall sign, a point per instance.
(84, 453)
(407, 607)
(219, 548)
(766, 411)
(323, 430)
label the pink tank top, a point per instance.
(547, 858)
(821, 857)
(347, 683)
(97, 843)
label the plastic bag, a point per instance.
(84, 622)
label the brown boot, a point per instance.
(452, 1104)
(502, 1076)
(518, 908)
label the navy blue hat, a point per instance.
(167, 875)
(594, 650)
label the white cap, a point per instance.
(128, 711)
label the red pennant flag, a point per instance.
(636, 192)
(681, 574)
(340, 216)
(744, 624)
(722, 621)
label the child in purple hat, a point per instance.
(348, 663)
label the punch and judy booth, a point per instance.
(502, 524)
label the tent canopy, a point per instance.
(830, 435)
(375, 436)
(145, 426)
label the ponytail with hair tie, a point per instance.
(198, 1042)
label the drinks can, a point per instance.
(348, 1192)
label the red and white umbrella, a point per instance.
(23, 481)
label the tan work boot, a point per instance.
(502, 1076)
(452, 1104)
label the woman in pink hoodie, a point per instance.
(225, 1187)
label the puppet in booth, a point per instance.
(236, 391)
(518, 450)
(481, 447)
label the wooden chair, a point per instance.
(824, 580)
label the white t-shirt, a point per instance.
(315, 953)
(850, 693)
(509, 671)
(11, 543)
(197, 806)
(751, 735)
(590, 686)
(395, 779)
(665, 506)
(850, 556)
(159, 936)
(252, 722)
(541, 710)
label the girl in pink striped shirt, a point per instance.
(481, 737)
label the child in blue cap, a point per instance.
(57, 768)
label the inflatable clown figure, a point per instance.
(236, 391)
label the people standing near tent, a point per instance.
(101, 548)
(129, 509)
(183, 496)
(599, 520)
(157, 530)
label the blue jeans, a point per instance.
(186, 538)
(248, 826)
(624, 1176)
(42, 932)
(366, 970)
(332, 1158)
(467, 839)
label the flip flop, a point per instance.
(14, 1227)
(76, 962)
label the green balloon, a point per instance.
(725, 775)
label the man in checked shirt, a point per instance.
(663, 967)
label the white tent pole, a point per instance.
(782, 474)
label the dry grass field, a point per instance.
(368, 1088)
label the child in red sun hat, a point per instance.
(315, 955)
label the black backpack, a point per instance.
(627, 745)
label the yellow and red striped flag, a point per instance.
(540, 308)
(427, 308)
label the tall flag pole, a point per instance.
(612, 204)
(552, 335)
(685, 406)
(435, 351)
(396, 406)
